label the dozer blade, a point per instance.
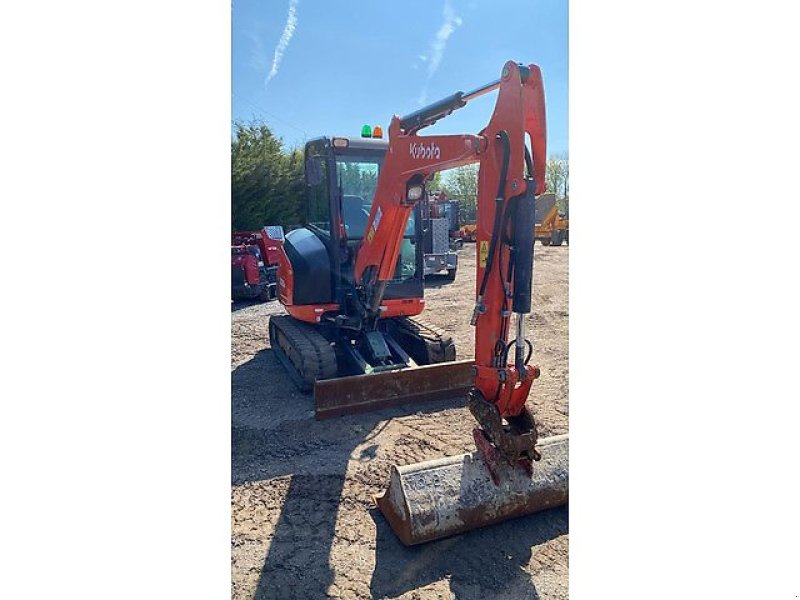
(364, 393)
(439, 498)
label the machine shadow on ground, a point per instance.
(237, 305)
(437, 281)
(298, 562)
(483, 561)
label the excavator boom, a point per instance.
(510, 175)
(431, 500)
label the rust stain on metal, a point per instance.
(440, 498)
(365, 393)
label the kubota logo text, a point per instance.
(423, 151)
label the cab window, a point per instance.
(357, 177)
(318, 201)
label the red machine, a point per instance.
(357, 323)
(254, 263)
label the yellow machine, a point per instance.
(551, 227)
(467, 232)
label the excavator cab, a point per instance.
(341, 175)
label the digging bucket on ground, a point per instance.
(435, 499)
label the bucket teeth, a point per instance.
(439, 498)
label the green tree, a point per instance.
(266, 183)
(557, 177)
(435, 183)
(462, 184)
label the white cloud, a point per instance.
(258, 59)
(438, 45)
(286, 37)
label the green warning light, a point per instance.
(366, 131)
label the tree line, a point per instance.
(462, 184)
(267, 181)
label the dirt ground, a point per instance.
(303, 521)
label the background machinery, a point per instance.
(551, 226)
(351, 282)
(254, 264)
(468, 223)
(439, 218)
(451, 210)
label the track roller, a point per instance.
(426, 343)
(303, 351)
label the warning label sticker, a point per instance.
(483, 253)
(374, 227)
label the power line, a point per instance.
(274, 116)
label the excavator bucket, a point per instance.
(365, 393)
(439, 498)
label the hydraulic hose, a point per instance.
(502, 136)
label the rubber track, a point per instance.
(439, 344)
(301, 345)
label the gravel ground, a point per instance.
(303, 521)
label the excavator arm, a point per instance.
(511, 173)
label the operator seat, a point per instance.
(355, 215)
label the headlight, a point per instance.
(415, 192)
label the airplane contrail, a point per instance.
(286, 37)
(438, 44)
(451, 21)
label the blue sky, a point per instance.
(339, 65)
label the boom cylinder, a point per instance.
(519, 344)
(484, 89)
(428, 115)
(524, 225)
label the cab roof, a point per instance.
(356, 142)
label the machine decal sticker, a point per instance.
(484, 253)
(423, 151)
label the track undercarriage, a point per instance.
(401, 361)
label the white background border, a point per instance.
(683, 328)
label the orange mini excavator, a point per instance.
(351, 283)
